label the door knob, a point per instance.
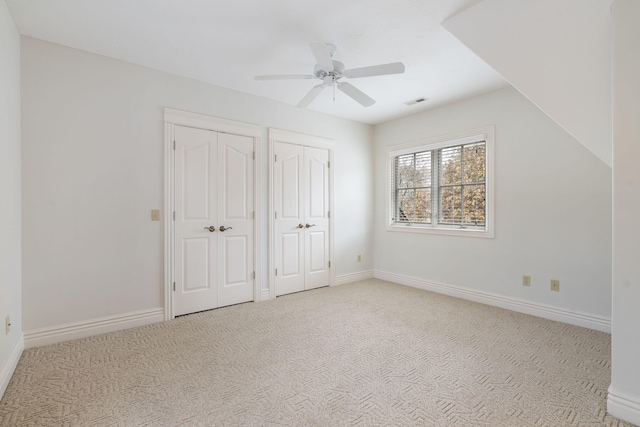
(222, 228)
(300, 226)
(211, 229)
(309, 226)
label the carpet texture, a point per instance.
(364, 354)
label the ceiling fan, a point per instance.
(330, 72)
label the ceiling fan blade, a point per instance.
(375, 70)
(322, 54)
(310, 96)
(285, 77)
(356, 94)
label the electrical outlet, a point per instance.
(359, 258)
(526, 280)
(555, 285)
(7, 324)
(155, 215)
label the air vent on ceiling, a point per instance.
(416, 101)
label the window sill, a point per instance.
(486, 234)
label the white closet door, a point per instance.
(213, 189)
(288, 205)
(195, 207)
(301, 223)
(236, 218)
(316, 200)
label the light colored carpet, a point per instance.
(369, 353)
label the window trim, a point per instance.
(486, 134)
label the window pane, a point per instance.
(423, 169)
(405, 171)
(405, 205)
(451, 205)
(414, 206)
(474, 163)
(474, 204)
(450, 165)
(423, 206)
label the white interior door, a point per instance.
(301, 217)
(288, 205)
(316, 199)
(195, 209)
(235, 219)
(213, 189)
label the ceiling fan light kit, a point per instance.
(331, 71)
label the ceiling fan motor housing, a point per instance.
(336, 73)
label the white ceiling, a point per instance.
(227, 43)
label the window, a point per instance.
(443, 186)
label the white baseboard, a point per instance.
(623, 406)
(87, 328)
(522, 306)
(9, 367)
(353, 277)
(265, 295)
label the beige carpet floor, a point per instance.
(364, 354)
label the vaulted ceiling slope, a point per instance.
(556, 53)
(227, 43)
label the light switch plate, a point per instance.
(155, 215)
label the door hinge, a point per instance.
(174, 145)
(254, 275)
(275, 157)
(253, 155)
(329, 264)
(329, 214)
(276, 214)
(174, 215)
(276, 271)
(253, 215)
(328, 165)
(174, 286)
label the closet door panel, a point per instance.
(288, 205)
(316, 200)
(235, 219)
(195, 206)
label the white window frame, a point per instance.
(486, 134)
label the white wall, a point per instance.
(624, 393)
(552, 210)
(555, 52)
(93, 170)
(10, 257)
